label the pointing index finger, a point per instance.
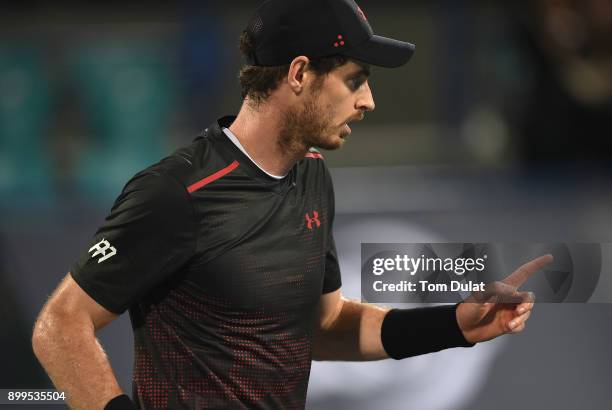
(520, 276)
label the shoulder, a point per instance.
(314, 161)
(165, 183)
(315, 166)
(184, 168)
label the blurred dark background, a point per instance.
(500, 129)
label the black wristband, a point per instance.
(122, 402)
(411, 332)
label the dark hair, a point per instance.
(258, 82)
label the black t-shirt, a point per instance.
(221, 268)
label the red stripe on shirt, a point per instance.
(313, 155)
(211, 178)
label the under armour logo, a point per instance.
(315, 219)
(103, 248)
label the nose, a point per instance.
(365, 102)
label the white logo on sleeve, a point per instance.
(103, 248)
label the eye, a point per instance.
(355, 83)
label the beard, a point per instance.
(310, 125)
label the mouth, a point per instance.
(346, 131)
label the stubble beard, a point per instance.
(309, 126)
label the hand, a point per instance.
(500, 308)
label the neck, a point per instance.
(258, 128)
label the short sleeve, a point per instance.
(148, 236)
(332, 280)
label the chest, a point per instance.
(260, 249)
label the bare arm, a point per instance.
(348, 330)
(65, 344)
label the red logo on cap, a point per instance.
(361, 14)
(339, 43)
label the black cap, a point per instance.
(281, 30)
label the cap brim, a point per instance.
(383, 52)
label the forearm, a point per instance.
(353, 336)
(362, 332)
(67, 348)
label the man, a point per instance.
(223, 252)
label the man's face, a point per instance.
(329, 105)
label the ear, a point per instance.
(298, 74)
